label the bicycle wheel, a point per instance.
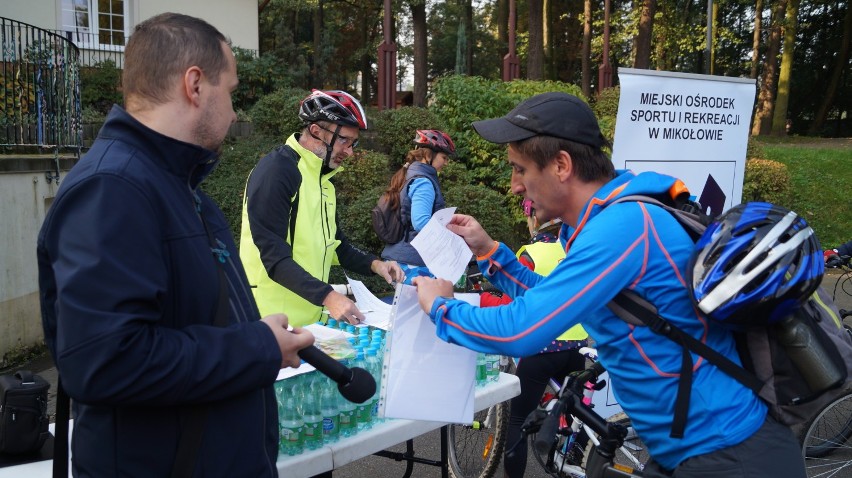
(826, 443)
(475, 450)
(633, 454)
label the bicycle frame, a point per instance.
(573, 402)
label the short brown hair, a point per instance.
(591, 163)
(165, 46)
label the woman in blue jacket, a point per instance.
(415, 192)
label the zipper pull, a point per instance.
(221, 252)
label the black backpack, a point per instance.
(387, 222)
(23, 413)
(793, 395)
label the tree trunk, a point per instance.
(643, 36)
(782, 97)
(503, 26)
(462, 43)
(469, 46)
(587, 49)
(549, 70)
(535, 53)
(418, 19)
(317, 73)
(755, 50)
(841, 65)
(763, 116)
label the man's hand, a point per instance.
(342, 308)
(472, 232)
(389, 270)
(289, 342)
(428, 289)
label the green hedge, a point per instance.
(277, 114)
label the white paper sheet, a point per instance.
(445, 254)
(424, 377)
(376, 312)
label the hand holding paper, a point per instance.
(428, 289)
(472, 232)
(445, 254)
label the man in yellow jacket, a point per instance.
(290, 237)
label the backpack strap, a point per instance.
(688, 213)
(60, 431)
(635, 310)
(407, 223)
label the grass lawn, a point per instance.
(821, 173)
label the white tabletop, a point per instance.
(346, 450)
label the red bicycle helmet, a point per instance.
(435, 140)
(334, 106)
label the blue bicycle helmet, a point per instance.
(754, 265)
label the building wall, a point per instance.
(26, 195)
(237, 19)
(40, 13)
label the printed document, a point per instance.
(445, 253)
(376, 312)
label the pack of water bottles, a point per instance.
(311, 411)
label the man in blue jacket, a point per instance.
(555, 151)
(137, 265)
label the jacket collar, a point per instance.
(309, 159)
(183, 159)
(625, 183)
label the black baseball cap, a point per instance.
(552, 114)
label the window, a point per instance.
(96, 22)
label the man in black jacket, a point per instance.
(146, 309)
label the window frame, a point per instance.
(89, 37)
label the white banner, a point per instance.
(692, 127)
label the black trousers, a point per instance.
(534, 373)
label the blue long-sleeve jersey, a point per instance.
(633, 246)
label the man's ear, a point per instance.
(563, 165)
(192, 82)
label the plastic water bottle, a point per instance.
(331, 323)
(329, 410)
(291, 426)
(481, 370)
(493, 367)
(363, 411)
(364, 339)
(312, 412)
(374, 366)
(348, 418)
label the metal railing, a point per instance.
(40, 99)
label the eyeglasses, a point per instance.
(342, 140)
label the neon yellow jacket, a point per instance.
(288, 264)
(545, 256)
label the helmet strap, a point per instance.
(328, 146)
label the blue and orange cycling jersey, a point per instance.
(627, 245)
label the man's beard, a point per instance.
(205, 137)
